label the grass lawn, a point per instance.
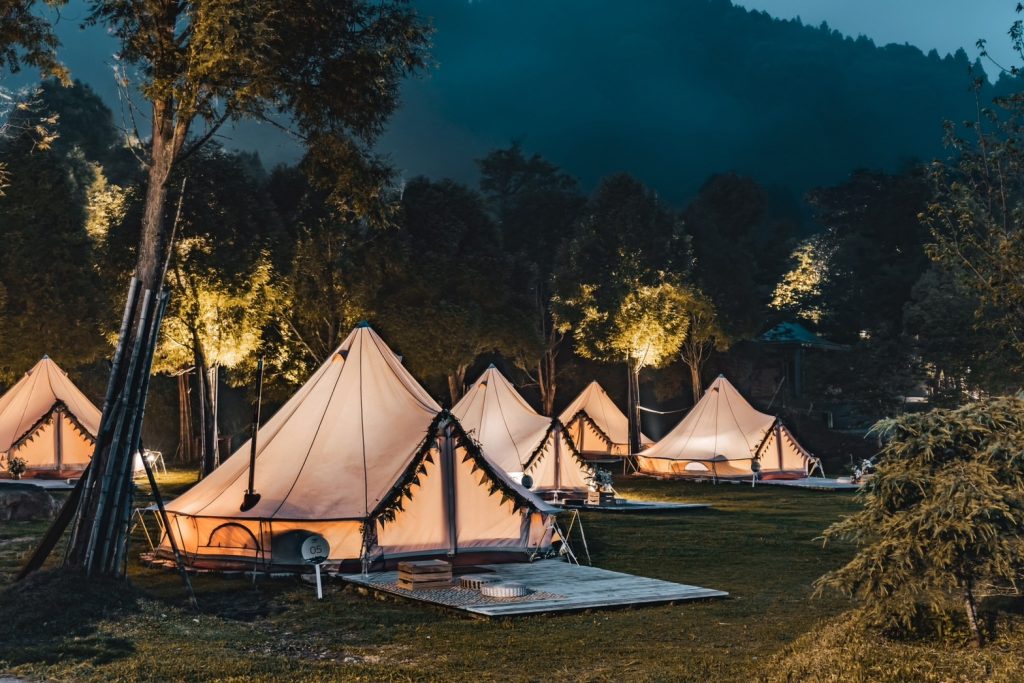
(758, 544)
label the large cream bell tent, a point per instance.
(597, 426)
(48, 422)
(363, 456)
(520, 440)
(722, 436)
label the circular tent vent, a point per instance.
(476, 581)
(504, 590)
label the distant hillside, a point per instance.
(671, 91)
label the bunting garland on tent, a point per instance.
(392, 503)
(38, 425)
(537, 456)
(584, 417)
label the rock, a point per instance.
(24, 504)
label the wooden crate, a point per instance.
(424, 575)
(600, 498)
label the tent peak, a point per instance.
(363, 323)
(45, 357)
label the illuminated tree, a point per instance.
(704, 335)
(620, 292)
(328, 70)
(52, 231)
(801, 289)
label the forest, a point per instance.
(512, 269)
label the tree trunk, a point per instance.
(546, 382)
(99, 536)
(971, 609)
(634, 406)
(207, 430)
(698, 388)
(456, 383)
(184, 419)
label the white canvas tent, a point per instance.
(47, 421)
(518, 439)
(597, 426)
(721, 437)
(363, 456)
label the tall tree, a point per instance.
(621, 292)
(535, 205)
(703, 336)
(444, 295)
(53, 225)
(739, 249)
(975, 215)
(221, 277)
(330, 69)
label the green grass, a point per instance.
(757, 544)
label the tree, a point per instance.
(53, 224)
(704, 335)
(975, 216)
(739, 249)
(445, 287)
(942, 523)
(26, 39)
(220, 276)
(329, 69)
(535, 205)
(958, 354)
(620, 293)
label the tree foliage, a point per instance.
(621, 293)
(53, 299)
(535, 205)
(943, 518)
(977, 215)
(445, 289)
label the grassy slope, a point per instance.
(757, 544)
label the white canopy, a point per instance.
(721, 436)
(47, 421)
(596, 424)
(518, 439)
(360, 441)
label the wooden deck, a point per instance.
(630, 506)
(557, 587)
(815, 483)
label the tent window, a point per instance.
(233, 535)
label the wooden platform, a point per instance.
(816, 483)
(48, 484)
(630, 506)
(557, 587)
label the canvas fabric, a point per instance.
(517, 438)
(613, 438)
(721, 436)
(36, 424)
(328, 461)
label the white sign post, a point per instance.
(315, 550)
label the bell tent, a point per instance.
(597, 426)
(48, 422)
(518, 439)
(722, 436)
(364, 457)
